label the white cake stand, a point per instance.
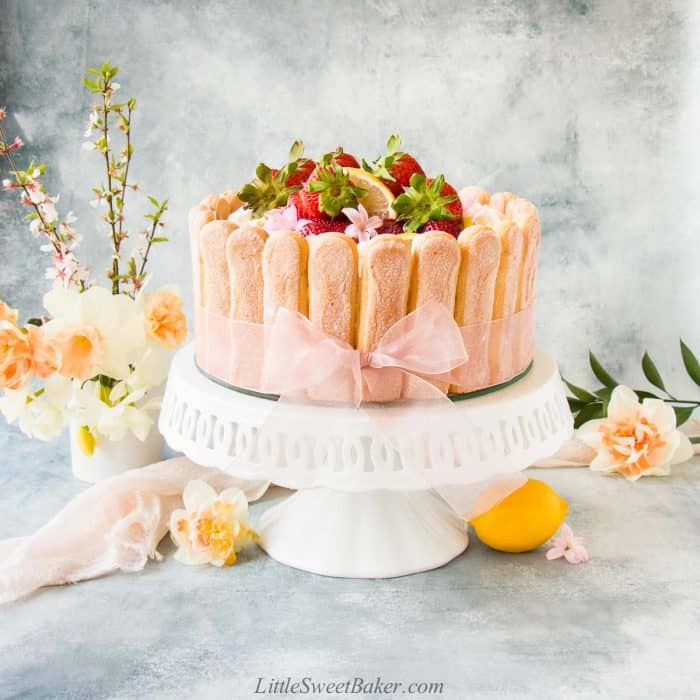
(360, 510)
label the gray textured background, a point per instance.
(588, 108)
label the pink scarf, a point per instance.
(113, 525)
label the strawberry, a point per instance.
(452, 226)
(268, 190)
(427, 200)
(327, 192)
(272, 187)
(391, 226)
(449, 191)
(323, 225)
(395, 168)
(339, 157)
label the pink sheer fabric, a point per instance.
(113, 525)
(291, 354)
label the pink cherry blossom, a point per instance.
(569, 546)
(283, 219)
(362, 226)
(14, 146)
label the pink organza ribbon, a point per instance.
(291, 355)
(425, 343)
(113, 525)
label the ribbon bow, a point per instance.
(301, 358)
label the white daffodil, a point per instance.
(116, 318)
(212, 528)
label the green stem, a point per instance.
(115, 240)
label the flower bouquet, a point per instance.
(98, 358)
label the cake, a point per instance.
(354, 248)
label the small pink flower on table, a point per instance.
(636, 439)
(362, 226)
(213, 527)
(569, 546)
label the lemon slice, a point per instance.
(379, 197)
(524, 520)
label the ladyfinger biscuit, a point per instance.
(480, 250)
(501, 349)
(333, 290)
(244, 254)
(506, 297)
(198, 216)
(285, 264)
(234, 202)
(435, 262)
(385, 275)
(333, 285)
(212, 245)
(473, 194)
(500, 201)
(525, 215)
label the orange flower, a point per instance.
(6, 313)
(82, 351)
(45, 355)
(16, 365)
(165, 320)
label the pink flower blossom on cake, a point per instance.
(283, 219)
(212, 528)
(362, 226)
(636, 439)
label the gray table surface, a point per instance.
(624, 625)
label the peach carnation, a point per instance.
(16, 365)
(45, 354)
(636, 439)
(165, 320)
(82, 351)
(6, 313)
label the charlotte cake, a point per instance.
(355, 248)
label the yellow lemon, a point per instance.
(407, 236)
(379, 197)
(524, 520)
(86, 441)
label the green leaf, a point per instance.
(592, 411)
(692, 366)
(580, 393)
(604, 393)
(651, 372)
(296, 151)
(683, 413)
(576, 404)
(641, 394)
(393, 144)
(601, 375)
(160, 239)
(154, 201)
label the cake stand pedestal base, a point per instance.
(371, 534)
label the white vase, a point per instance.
(112, 457)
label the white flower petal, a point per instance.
(659, 414)
(624, 404)
(198, 494)
(684, 451)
